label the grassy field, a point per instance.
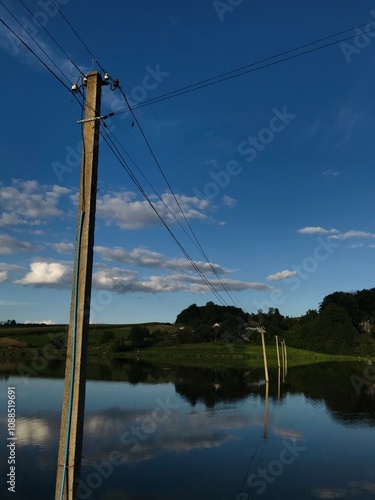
(30, 339)
(230, 355)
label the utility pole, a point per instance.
(286, 359)
(262, 331)
(71, 430)
(277, 350)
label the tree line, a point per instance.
(343, 324)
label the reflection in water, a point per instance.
(266, 410)
(199, 433)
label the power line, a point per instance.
(77, 35)
(238, 72)
(35, 54)
(195, 243)
(132, 176)
(34, 40)
(126, 167)
(174, 195)
(52, 38)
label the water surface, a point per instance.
(160, 432)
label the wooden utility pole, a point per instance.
(71, 430)
(261, 330)
(277, 350)
(286, 359)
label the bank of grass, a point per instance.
(29, 338)
(230, 355)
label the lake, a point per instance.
(167, 433)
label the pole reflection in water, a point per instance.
(266, 410)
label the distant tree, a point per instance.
(107, 337)
(138, 335)
(345, 300)
(118, 345)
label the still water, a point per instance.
(166, 433)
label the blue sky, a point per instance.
(273, 169)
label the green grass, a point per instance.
(235, 355)
(202, 354)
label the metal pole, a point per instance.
(71, 430)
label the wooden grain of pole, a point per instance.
(71, 430)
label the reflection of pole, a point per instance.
(277, 350)
(266, 411)
(261, 329)
(278, 382)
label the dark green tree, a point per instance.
(139, 335)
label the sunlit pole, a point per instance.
(262, 331)
(286, 359)
(277, 350)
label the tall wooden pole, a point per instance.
(277, 350)
(261, 329)
(71, 431)
(286, 359)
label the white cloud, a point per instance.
(62, 247)
(282, 275)
(27, 202)
(352, 234)
(43, 50)
(146, 258)
(123, 281)
(332, 173)
(228, 201)
(10, 245)
(119, 280)
(4, 266)
(127, 212)
(3, 276)
(316, 230)
(45, 321)
(6, 303)
(52, 274)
